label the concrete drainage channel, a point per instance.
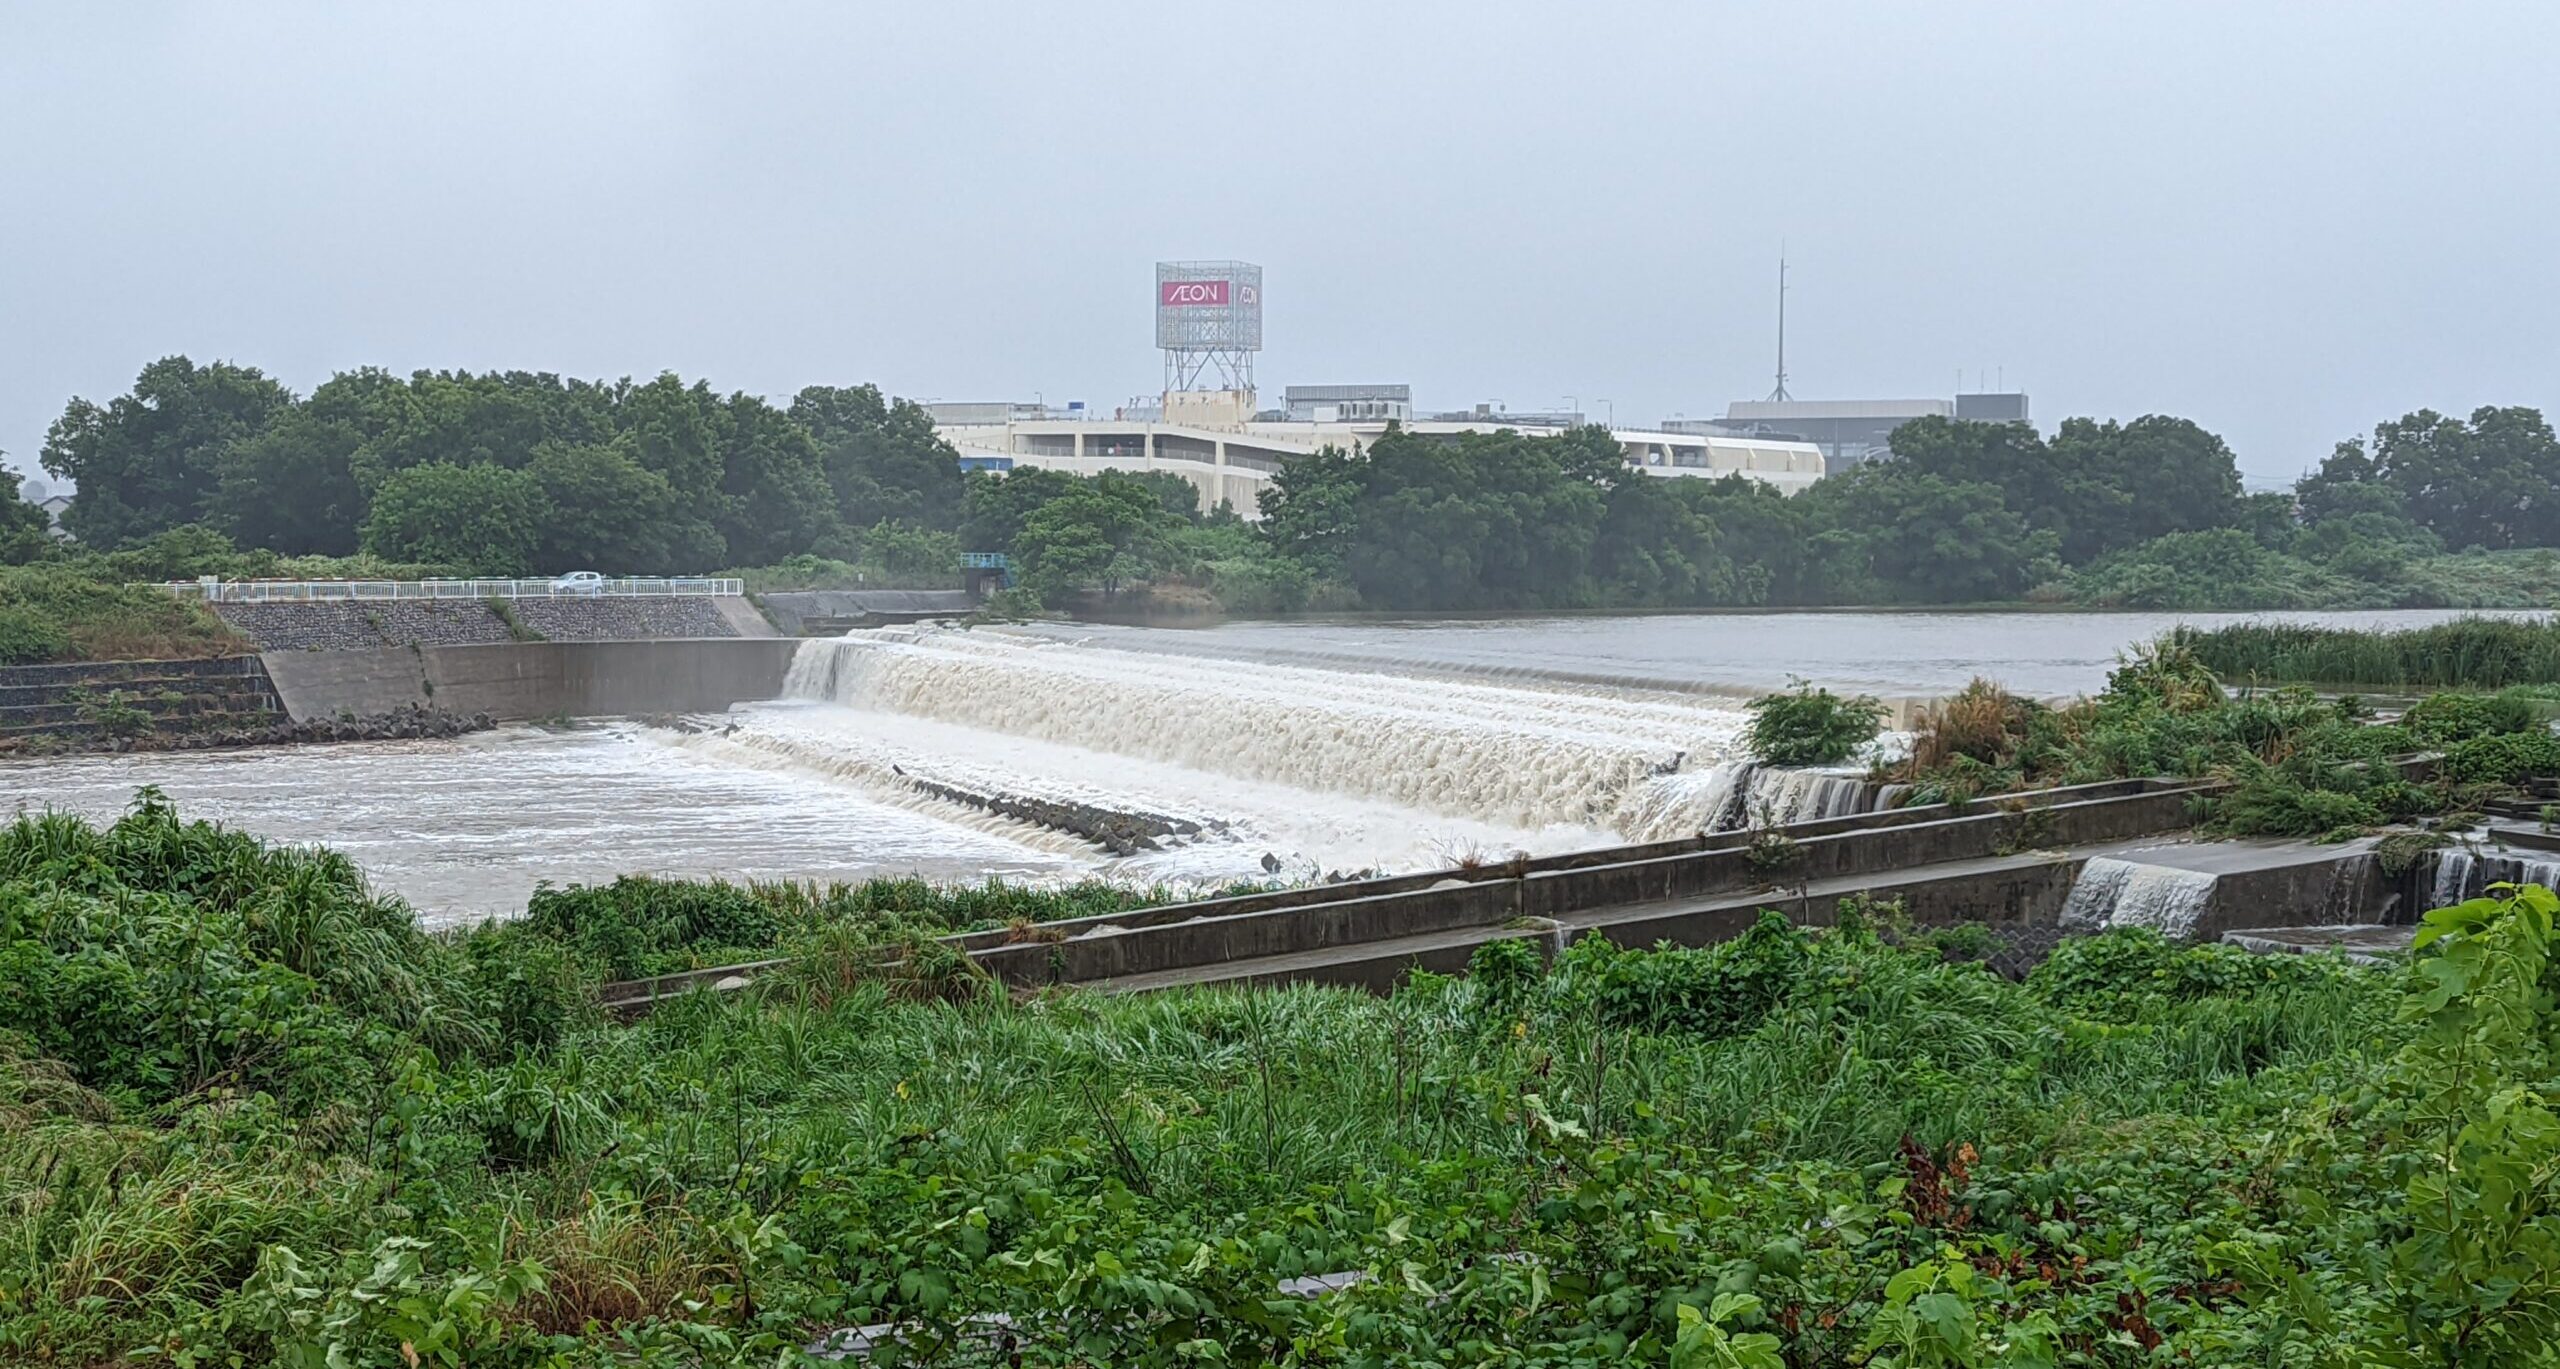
(2012, 865)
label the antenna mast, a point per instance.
(1780, 395)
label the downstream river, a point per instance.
(1315, 747)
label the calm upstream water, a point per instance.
(1318, 746)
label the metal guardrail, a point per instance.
(328, 591)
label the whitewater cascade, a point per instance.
(2124, 893)
(2464, 872)
(1647, 765)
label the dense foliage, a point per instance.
(249, 1115)
(502, 473)
(2296, 765)
(529, 473)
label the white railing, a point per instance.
(320, 591)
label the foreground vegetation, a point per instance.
(2297, 765)
(517, 473)
(249, 1114)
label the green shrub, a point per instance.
(28, 636)
(1810, 726)
(2441, 719)
(69, 612)
(2503, 758)
(640, 925)
(1713, 992)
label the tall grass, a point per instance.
(2466, 653)
(818, 1149)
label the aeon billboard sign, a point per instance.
(1190, 294)
(1208, 306)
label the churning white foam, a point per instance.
(2464, 872)
(1515, 755)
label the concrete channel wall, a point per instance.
(515, 681)
(1881, 851)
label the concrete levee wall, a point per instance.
(513, 681)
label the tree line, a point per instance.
(516, 472)
(500, 474)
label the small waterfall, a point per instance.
(1786, 796)
(1731, 796)
(2123, 893)
(1687, 802)
(2455, 871)
(2465, 872)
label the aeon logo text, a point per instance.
(1184, 294)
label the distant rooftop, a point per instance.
(1783, 410)
(1322, 394)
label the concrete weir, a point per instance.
(516, 681)
(2014, 866)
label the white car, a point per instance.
(578, 582)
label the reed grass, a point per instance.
(2475, 653)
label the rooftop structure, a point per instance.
(1342, 403)
(1848, 431)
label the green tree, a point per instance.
(1761, 534)
(775, 500)
(292, 486)
(23, 535)
(604, 511)
(1653, 550)
(2493, 481)
(2145, 479)
(150, 459)
(486, 519)
(1894, 532)
(2213, 569)
(1311, 508)
(1480, 520)
(671, 429)
(1100, 534)
(881, 457)
(2066, 498)
(999, 505)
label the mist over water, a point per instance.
(1325, 747)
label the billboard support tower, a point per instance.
(1209, 323)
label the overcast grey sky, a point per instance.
(2283, 220)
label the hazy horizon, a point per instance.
(2284, 223)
